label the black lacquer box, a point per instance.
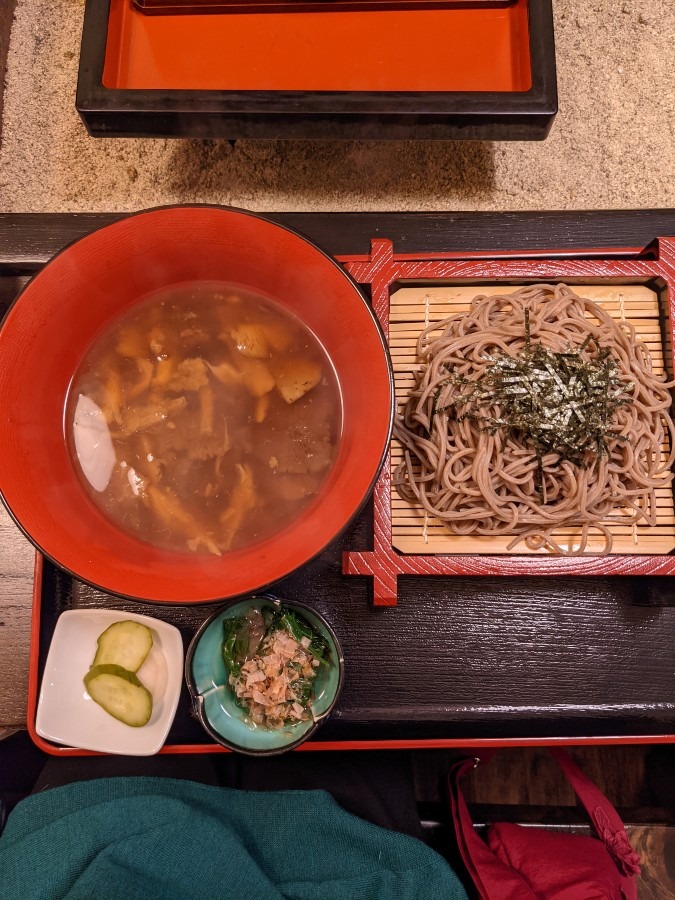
(319, 69)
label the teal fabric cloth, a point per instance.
(151, 838)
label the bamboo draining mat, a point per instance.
(411, 310)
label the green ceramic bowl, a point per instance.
(213, 699)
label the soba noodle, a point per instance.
(488, 481)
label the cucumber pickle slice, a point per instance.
(120, 693)
(125, 644)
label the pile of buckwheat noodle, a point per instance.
(488, 482)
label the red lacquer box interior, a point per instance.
(193, 7)
(390, 49)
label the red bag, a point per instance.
(519, 863)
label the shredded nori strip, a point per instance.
(560, 402)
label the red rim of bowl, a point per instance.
(139, 571)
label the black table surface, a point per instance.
(458, 658)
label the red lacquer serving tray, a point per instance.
(34, 676)
(384, 269)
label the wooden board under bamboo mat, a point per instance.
(412, 308)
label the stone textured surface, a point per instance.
(612, 145)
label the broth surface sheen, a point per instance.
(204, 419)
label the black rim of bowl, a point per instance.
(197, 699)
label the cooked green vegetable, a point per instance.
(120, 693)
(298, 628)
(239, 639)
(125, 644)
(272, 656)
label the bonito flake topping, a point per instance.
(273, 656)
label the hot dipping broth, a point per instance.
(204, 419)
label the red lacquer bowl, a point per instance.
(53, 322)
